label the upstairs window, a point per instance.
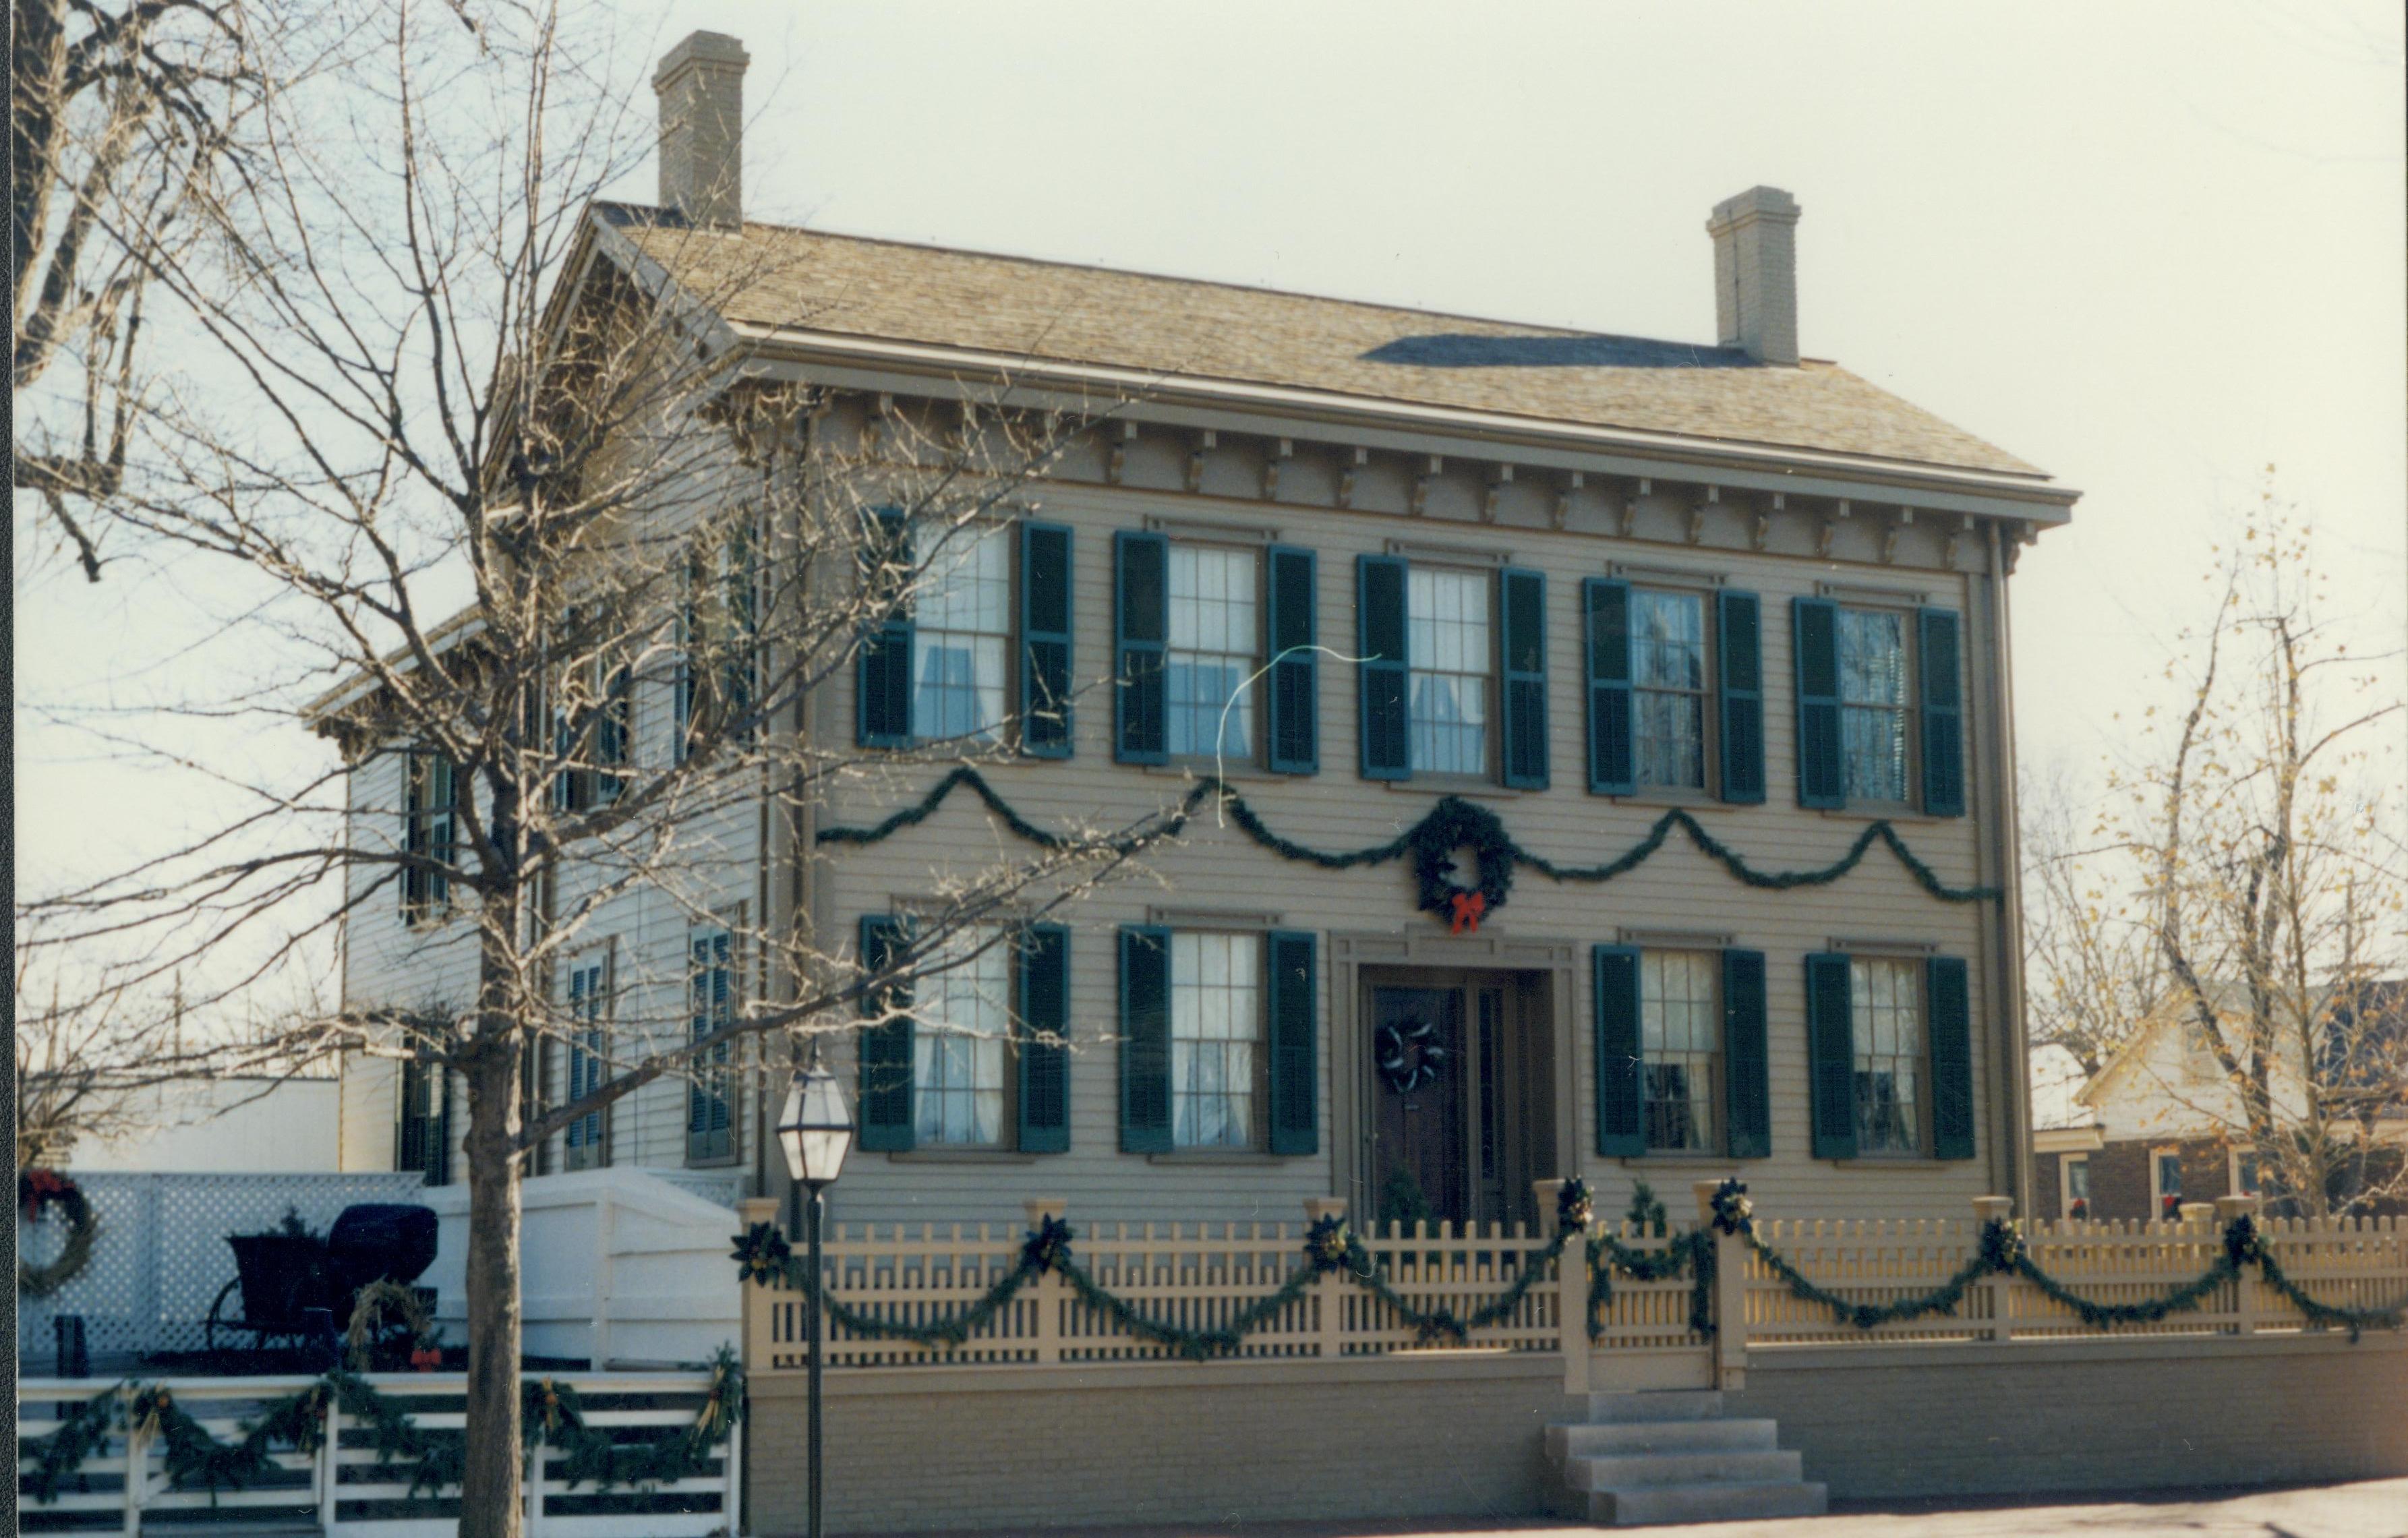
(429, 812)
(1451, 653)
(1668, 678)
(718, 641)
(1875, 712)
(1215, 630)
(963, 634)
(593, 726)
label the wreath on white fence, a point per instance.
(37, 1190)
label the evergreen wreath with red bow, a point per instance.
(1456, 824)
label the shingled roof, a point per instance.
(780, 277)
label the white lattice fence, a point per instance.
(161, 1256)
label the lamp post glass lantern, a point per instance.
(815, 1132)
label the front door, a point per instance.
(1463, 1109)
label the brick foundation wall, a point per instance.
(1027, 1449)
(2112, 1415)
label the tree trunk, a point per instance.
(490, 1502)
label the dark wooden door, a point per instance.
(1421, 1169)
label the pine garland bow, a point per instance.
(1451, 824)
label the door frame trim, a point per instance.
(1350, 1109)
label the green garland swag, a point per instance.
(761, 1256)
(40, 1188)
(194, 1458)
(1450, 825)
(1693, 1252)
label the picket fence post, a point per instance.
(1049, 1291)
(1730, 1293)
(2245, 1301)
(2001, 1324)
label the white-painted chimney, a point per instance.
(1756, 273)
(700, 85)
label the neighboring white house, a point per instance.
(226, 1127)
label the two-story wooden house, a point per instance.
(1366, 566)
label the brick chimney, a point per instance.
(700, 84)
(1756, 273)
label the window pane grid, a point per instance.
(1887, 1026)
(1873, 703)
(1449, 652)
(1680, 1032)
(963, 614)
(1215, 1028)
(1212, 649)
(958, 1043)
(1667, 676)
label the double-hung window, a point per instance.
(1675, 691)
(963, 632)
(1880, 707)
(1216, 1032)
(430, 806)
(1886, 1026)
(587, 1141)
(961, 1041)
(718, 686)
(592, 722)
(1681, 1030)
(1451, 653)
(711, 998)
(421, 1132)
(2075, 1169)
(936, 656)
(1453, 672)
(1213, 649)
(1667, 682)
(2166, 1183)
(1889, 1047)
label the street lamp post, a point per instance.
(816, 1132)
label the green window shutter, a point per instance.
(1747, 1089)
(1816, 624)
(1831, 1055)
(1384, 671)
(1045, 1065)
(1146, 1039)
(1739, 680)
(1295, 1048)
(1605, 634)
(1952, 1057)
(1140, 631)
(1938, 634)
(1621, 1110)
(886, 1111)
(1045, 641)
(882, 687)
(1294, 693)
(1525, 602)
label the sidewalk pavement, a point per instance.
(2376, 1508)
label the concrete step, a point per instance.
(1641, 1471)
(1661, 1436)
(1711, 1503)
(1656, 1405)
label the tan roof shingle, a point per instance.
(771, 275)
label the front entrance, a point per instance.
(1462, 1097)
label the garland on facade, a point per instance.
(38, 1189)
(194, 1458)
(1453, 824)
(763, 1255)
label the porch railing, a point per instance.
(1197, 1276)
(343, 1488)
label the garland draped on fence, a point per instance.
(763, 1255)
(2001, 1251)
(195, 1459)
(1451, 824)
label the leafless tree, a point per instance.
(122, 116)
(70, 1084)
(2261, 875)
(2094, 969)
(497, 492)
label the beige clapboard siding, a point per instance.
(1215, 867)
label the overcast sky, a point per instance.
(2153, 249)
